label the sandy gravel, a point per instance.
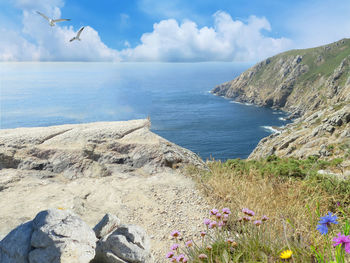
(160, 203)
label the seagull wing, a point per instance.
(44, 16)
(60, 20)
(72, 39)
(79, 32)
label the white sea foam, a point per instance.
(270, 129)
(282, 119)
(243, 103)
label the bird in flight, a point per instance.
(78, 35)
(52, 22)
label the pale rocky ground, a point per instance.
(147, 192)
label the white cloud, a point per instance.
(228, 40)
(39, 41)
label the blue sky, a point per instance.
(168, 30)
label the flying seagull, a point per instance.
(52, 21)
(78, 35)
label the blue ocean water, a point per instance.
(175, 96)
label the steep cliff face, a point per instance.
(314, 86)
(295, 81)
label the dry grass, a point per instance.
(292, 204)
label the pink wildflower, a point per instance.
(209, 247)
(175, 233)
(170, 254)
(248, 212)
(203, 233)
(174, 246)
(246, 218)
(221, 224)
(264, 218)
(180, 258)
(207, 221)
(189, 243)
(213, 224)
(226, 211)
(342, 240)
(214, 211)
(257, 222)
(202, 256)
(218, 215)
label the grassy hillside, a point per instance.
(303, 80)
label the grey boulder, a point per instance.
(107, 224)
(127, 244)
(61, 237)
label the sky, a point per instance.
(168, 30)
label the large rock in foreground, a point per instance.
(91, 150)
(61, 236)
(128, 243)
(54, 236)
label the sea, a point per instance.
(176, 97)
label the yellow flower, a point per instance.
(60, 208)
(286, 254)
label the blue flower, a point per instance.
(325, 222)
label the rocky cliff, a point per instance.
(314, 86)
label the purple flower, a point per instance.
(264, 218)
(246, 218)
(257, 222)
(207, 221)
(248, 212)
(218, 215)
(226, 211)
(170, 254)
(221, 224)
(202, 256)
(342, 240)
(203, 233)
(185, 260)
(214, 211)
(175, 233)
(189, 243)
(325, 222)
(225, 219)
(180, 258)
(174, 246)
(213, 224)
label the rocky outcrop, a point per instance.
(91, 150)
(120, 168)
(313, 85)
(324, 133)
(295, 81)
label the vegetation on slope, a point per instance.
(290, 193)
